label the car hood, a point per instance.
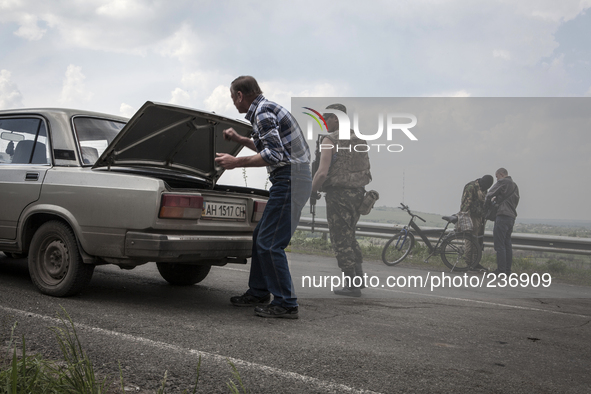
(177, 138)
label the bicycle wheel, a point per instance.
(460, 251)
(397, 248)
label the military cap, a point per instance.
(485, 182)
(340, 107)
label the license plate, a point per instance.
(216, 210)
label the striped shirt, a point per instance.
(276, 134)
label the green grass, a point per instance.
(27, 374)
(237, 387)
(21, 373)
(569, 269)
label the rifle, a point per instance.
(315, 165)
(313, 210)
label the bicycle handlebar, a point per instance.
(405, 208)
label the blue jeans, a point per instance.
(269, 270)
(502, 241)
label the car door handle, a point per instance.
(32, 176)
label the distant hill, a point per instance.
(557, 222)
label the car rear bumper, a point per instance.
(188, 248)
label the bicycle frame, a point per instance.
(423, 234)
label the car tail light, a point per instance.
(259, 207)
(181, 206)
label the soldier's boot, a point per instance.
(352, 290)
(359, 272)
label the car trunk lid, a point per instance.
(181, 139)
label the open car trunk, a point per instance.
(168, 137)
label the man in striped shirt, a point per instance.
(282, 148)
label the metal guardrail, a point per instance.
(542, 243)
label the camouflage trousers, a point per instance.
(342, 213)
(478, 232)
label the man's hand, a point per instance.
(315, 196)
(225, 160)
(231, 135)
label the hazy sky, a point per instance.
(112, 56)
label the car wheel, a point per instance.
(183, 274)
(55, 264)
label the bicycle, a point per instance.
(453, 246)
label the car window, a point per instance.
(24, 141)
(94, 135)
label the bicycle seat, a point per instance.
(451, 219)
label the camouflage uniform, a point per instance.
(473, 203)
(348, 174)
(342, 214)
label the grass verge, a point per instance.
(22, 373)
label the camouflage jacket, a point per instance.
(473, 199)
(349, 168)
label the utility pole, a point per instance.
(403, 186)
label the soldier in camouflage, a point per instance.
(473, 203)
(342, 174)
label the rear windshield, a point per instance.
(94, 135)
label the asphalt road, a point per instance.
(403, 339)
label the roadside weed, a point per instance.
(236, 389)
(31, 374)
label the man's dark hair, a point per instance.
(247, 85)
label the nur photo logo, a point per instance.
(391, 126)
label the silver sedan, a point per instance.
(79, 189)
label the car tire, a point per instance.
(55, 264)
(183, 274)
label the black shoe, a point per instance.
(249, 300)
(479, 268)
(276, 311)
(349, 292)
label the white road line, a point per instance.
(485, 302)
(327, 386)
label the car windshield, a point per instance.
(94, 135)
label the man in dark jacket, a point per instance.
(506, 193)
